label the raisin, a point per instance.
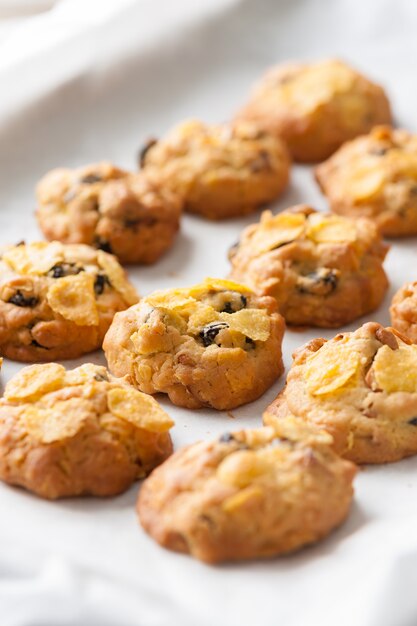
(378, 151)
(322, 282)
(64, 269)
(209, 333)
(102, 244)
(143, 221)
(231, 307)
(100, 283)
(226, 438)
(144, 150)
(18, 299)
(413, 421)
(100, 378)
(250, 343)
(90, 179)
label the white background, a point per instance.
(91, 80)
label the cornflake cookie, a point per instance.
(323, 270)
(316, 107)
(404, 311)
(361, 387)
(130, 215)
(78, 432)
(219, 171)
(249, 494)
(375, 176)
(57, 301)
(215, 344)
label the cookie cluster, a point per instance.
(217, 344)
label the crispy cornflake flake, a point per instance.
(63, 421)
(139, 409)
(117, 277)
(242, 498)
(276, 230)
(85, 373)
(35, 258)
(170, 299)
(217, 284)
(34, 381)
(73, 297)
(331, 368)
(396, 370)
(366, 184)
(203, 315)
(254, 323)
(331, 229)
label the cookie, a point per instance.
(219, 171)
(215, 344)
(249, 494)
(78, 432)
(57, 301)
(130, 215)
(404, 311)
(375, 176)
(323, 270)
(316, 107)
(361, 387)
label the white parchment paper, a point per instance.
(90, 80)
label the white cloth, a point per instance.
(91, 80)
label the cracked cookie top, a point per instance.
(315, 107)
(54, 297)
(130, 215)
(375, 176)
(317, 265)
(78, 432)
(219, 171)
(248, 494)
(359, 386)
(202, 345)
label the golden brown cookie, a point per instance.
(316, 107)
(78, 432)
(404, 311)
(323, 270)
(361, 387)
(248, 494)
(215, 344)
(129, 215)
(219, 171)
(375, 176)
(57, 301)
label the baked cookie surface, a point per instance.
(361, 387)
(129, 215)
(248, 494)
(78, 432)
(215, 344)
(404, 311)
(57, 301)
(323, 270)
(375, 176)
(220, 171)
(316, 107)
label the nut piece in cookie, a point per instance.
(78, 432)
(316, 107)
(57, 301)
(220, 171)
(375, 176)
(129, 215)
(404, 311)
(215, 344)
(361, 387)
(249, 494)
(323, 270)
